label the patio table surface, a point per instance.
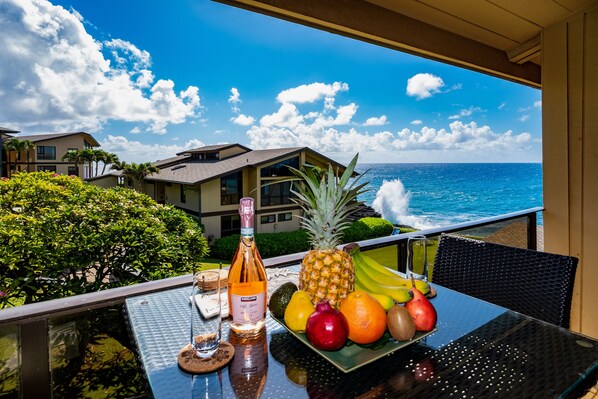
(479, 350)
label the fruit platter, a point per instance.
(352, 356)
(383, 313)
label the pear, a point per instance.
(421, 309)
(298, 311)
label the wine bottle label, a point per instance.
(246, 231)
(248, 308)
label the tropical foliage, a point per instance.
(60, 236)
(92, 158)
(18, 146)
(134, 171)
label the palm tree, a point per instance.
(99, 156)
(87, 156)
(28, 146)
(17, 146)
(136, 172)
(109, 159)
(73, 156)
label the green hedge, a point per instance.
(278, 244)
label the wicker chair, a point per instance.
(538, 284)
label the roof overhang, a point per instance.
(366, 21)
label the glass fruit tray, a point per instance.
(353, 356)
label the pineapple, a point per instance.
(326, 271)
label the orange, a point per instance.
(366, 317)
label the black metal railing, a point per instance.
(33, 321)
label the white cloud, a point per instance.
(136, 151)
(466, 112)
(538, 104)
(311, 92)
(135, 130)
(322, 131)
(373, 121)
(502, 105)
(423, 85)
(523, 118)
(243, 120)
(416, 122)
(61, 78)
(234, 100)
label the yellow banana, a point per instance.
(382, 274)
(386, 301)
(399, 294)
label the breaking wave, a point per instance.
(392, 202)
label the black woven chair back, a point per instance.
(538, 284)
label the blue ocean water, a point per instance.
(431, 195)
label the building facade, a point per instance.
(47, 154)
(208, 182)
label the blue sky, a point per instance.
(151, 78)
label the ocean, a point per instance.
(433, 195)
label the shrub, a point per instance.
(367, 228)
(269, 244)
(277, 244)
(60, 236)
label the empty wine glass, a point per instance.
(206, 311)
(417, 258)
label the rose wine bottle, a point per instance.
(247, 280)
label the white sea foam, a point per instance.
(392, 202)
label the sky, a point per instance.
(152, 78)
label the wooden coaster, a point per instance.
(194, 365)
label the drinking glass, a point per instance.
(206, 310)
(417, 258)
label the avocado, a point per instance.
(281, 298)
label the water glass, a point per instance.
(206, 311)
(417, 258)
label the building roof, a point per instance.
(193, 172)
(49, 136)
(213, 148)
(7, 130)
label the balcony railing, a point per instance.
(46, 348)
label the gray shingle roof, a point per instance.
(213, 148)
(193, 172)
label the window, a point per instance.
(86, 144)
(268, 219)
(46, 152)
(209, 156)
(231, 188)
(230, 225)
(183, 194)
(275, 194)
(280, 168)
(73, 171)
(46, 168)
(284, 217)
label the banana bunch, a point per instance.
(374, 278)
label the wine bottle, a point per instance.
(247, 281)
(248, 370)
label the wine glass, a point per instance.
(206, 311)
(417, 258)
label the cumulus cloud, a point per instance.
(523, 118)
(311, 92)
(61, 78)
(416, 122)
(466, 112)
(243, 120)
(136, 151)
(234, 100)
(424, 85)
(330, 131)
(538, 104)
(373, 121)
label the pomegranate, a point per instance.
(327, 328)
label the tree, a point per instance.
(109, 159)
(60, 236)
(73, 156)
(18, 146)
(87, 157)
(136, 172)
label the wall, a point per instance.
(570, 155)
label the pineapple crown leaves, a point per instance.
(327, 201)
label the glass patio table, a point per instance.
(479, 350)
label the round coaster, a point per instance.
(192, 364)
